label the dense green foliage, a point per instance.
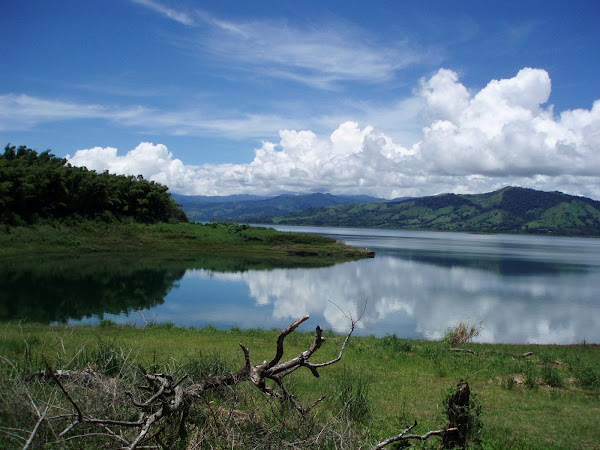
(547, 400)
(36, 186)
(508, 210)
(203, 209)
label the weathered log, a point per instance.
(461, 350)
(169, 397)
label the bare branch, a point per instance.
(56, 380)
(12, 434)
(333, 361)
(42, 416)
(280, 339)
(115, 435)
(301, 359)
(404, 436)
(246, 356)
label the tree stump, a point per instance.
(458, 412)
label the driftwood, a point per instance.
(167, 396)
(461, 350)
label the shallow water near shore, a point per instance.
(528, 289)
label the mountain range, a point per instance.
(508, 210)
(251, 208)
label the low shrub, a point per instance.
(167, 325)
(508, 383)
(105, 323)
(106, 357)
(212, 363)
(462, 333)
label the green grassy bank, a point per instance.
(173, 240)
(548, 399)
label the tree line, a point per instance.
(36, 186)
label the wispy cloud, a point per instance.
(320, 55)
(517, 34)
(401, 120)
(169, 13)
(25, 112)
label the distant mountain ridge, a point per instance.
(251, 208)
(508, 210)
(203, 199)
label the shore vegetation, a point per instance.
(173, 241)
(524, 396)
(48, 206)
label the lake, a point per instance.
(522, 288)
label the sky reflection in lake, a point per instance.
(523, 289)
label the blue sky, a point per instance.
(381, 97)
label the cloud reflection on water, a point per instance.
(415, 297)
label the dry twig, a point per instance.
(404, 436)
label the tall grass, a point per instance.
(587, 376)
(353, 395)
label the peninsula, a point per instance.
(49, 207)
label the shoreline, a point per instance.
(188, 239)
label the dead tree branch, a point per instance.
(164, 396)
(167, 396)
(41, 418)
(405, 437)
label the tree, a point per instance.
(42, 186)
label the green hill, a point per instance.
(508, 210)
(251, 209)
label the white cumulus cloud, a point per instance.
(471, 142)
(505, 131)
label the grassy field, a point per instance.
(548, 399)
(215, 239)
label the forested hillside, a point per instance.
(508, 210)
(36, 186)
(249, 209)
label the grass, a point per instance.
(352, 389)
(462, 333)
(550, 399)
(175, 240)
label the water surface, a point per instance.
(523, 288)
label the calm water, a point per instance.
(523, 288)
